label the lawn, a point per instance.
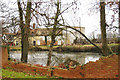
(90, 45)
(7, 73)
(19, 48)
(114, 44)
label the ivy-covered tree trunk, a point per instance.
(24, 30)
(105, 48)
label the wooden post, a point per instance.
(0, 57)
(4, 57)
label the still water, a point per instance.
(40, 57)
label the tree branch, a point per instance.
(83, 36)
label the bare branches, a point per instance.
(7, 14)
(111, 13)
(65, 9)
(41, 14)
(21, 14)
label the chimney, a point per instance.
(33, 25)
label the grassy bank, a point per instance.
(15, 48)
(86, 48)
(70, 48)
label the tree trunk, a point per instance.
(49, 55)
(53, 35)
(119, 18)
(45, 40)
(24, 47)
(119, 29)
(24, 30)
(105, 48)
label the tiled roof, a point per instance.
(43, 31)
(9, 33)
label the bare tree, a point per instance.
(9, 22)
(24, 29)
(119, 17)
(105, 48)
(56, 22)
(119, 27)
(50, 14)
(53, 35)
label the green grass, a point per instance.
(46, 47)
(15, 47)
(19, 48)
(90, 45)
(69, 46)
(113, 44)
(6, 73)
(0, 73)
(77, 46)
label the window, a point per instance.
(38, 42)
(16, 42)
(34, 43)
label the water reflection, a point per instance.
(40, 57)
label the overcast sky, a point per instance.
(83, 17)
(90, 16)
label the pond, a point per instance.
(40, 57)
